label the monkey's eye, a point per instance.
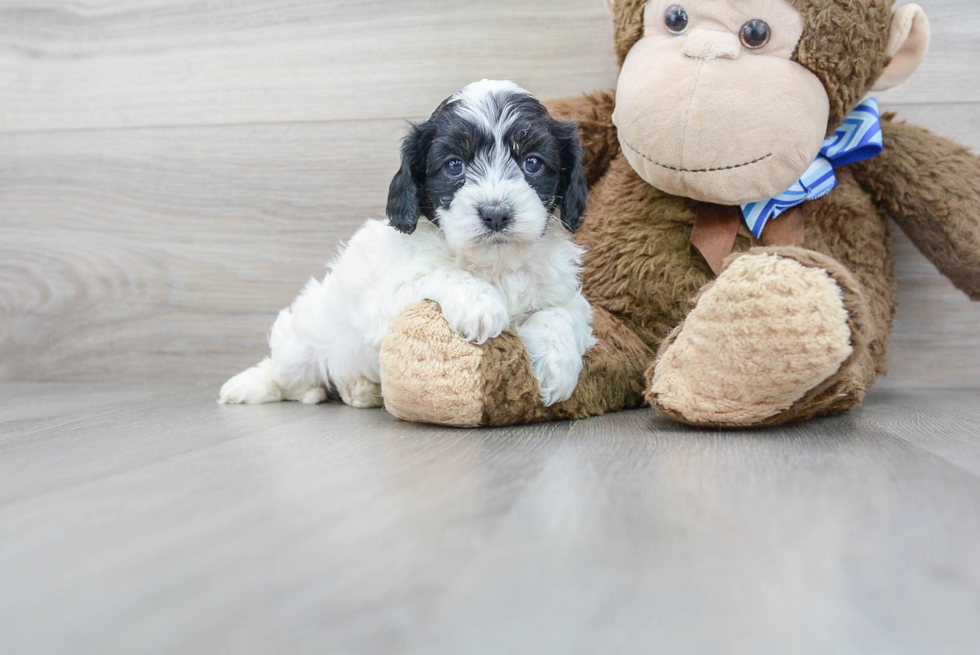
(455, 168)
(676, 19)
(755, 34)
(533, 166)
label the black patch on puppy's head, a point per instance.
(422, 185)
(456, 138)
(418, 187)
(406, 194)
(556, 144)
(574, 187)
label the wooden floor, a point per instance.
(170, 175)
(146, 518)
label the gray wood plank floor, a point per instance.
(171, 172)
(146, 518)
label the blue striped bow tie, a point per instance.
(859, 138)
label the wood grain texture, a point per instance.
(172, 171)
(167, 252)
(108, 64)
(936, 337)
(149, 519)
(948, 74)
(134, 252)
(959, 122)
(159, 252)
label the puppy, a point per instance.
(501, 186)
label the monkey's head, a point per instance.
(729, 101)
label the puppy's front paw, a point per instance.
(556, 366)
(480, 317)
(557, 375)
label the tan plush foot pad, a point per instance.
(768, 333)
(429, 373)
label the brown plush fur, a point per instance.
(593, 113)
(642, 266)
(628, 22)
(643, 275)
(612, 379)
(931, 187)
(429, 374)
(847, 67)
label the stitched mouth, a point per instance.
(698, 170)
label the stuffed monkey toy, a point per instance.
(739, 260)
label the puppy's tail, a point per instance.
(299, 364)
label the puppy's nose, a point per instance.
(495, 217)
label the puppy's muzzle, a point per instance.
(496, 217)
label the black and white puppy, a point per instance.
(500, 185)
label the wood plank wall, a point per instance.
(171, 171)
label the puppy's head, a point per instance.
(490, 167)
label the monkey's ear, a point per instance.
(907, 46)
(407, 187)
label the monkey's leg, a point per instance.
(429, 374)
(808, 327)
(782, 334)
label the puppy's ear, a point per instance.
(573, 187)
(408, 186)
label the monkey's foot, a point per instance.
(773, 339)
(429, 373)
(432, 375)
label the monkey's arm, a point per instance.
(931, 187)
(593, 113)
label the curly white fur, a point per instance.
(524, 274)
(330, 338)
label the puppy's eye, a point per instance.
(455, 168)
(676, 19)
(533, 166)
(755, 34)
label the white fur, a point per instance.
(484, 282)
(476, 99)
(331, 336)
